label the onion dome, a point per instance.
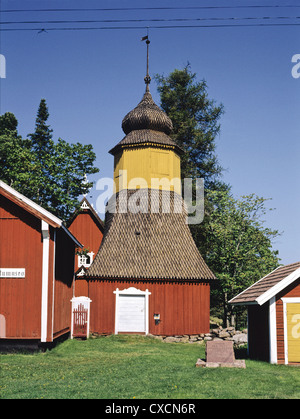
(147, 115)
(147, 123)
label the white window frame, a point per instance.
(287, 300)
(132, 291)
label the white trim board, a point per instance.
(272, 331)
(45, 280)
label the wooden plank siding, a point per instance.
(291, 291)
(64, 282)
(86, 230)
(183, 306)
(20, 247)
(81, 287)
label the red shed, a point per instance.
(274, 316)
(88, 228)
(36, 270)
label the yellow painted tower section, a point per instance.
(147, 166)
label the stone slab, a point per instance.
(220, 351)
(240, 363)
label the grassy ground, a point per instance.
(126, 367)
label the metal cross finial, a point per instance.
(147, 78)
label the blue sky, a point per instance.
(92, 79)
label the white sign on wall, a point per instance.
(12, 272)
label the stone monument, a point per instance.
(220, 353)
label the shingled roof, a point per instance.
(269, 286)
(146, 124)
(146, 245)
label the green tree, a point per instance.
(16, 159)
(196, 125)
(195, 120)
(240, 250)
(51, 174)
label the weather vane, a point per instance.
(147, 78)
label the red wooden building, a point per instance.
(36, 271)
(88, 228)
(274, 316)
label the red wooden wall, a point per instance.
(20, 247)
(87, 231)
(183, 306)
(64, 283)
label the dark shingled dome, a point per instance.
(146, 124)
(147, 115)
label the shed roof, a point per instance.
(267, 287)
(147, 244)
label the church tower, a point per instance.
(148, 275)
(147, 152)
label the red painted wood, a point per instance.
(80, 317)
(21, 246)
(87, 232)
(183, 306)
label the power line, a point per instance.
(150, 27)
(153, 20)
(150, 8)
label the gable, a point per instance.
(269, 286)
(28, 205)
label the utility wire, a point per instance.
(152, 20)
(150, 8)
(150, 27)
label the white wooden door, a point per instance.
(132, 313)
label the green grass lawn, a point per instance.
(126, 367)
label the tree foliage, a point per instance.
(53, 174)
(195, 120)
(232, 238)
(196, 125)
(240, 250)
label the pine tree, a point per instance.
(42, 146)
(196, 125)
(52, 174)
(195, 120)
